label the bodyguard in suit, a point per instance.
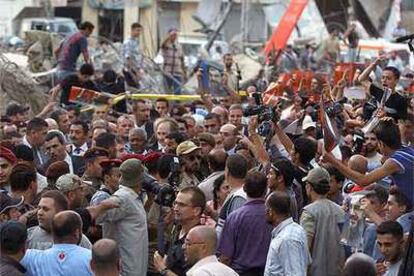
(78, 135)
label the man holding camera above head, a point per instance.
(395, 105)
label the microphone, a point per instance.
(404, 38)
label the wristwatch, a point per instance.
(164, 271)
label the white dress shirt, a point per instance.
(81, 150)
(210, 266)
(68, 160)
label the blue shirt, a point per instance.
(131, 50)
(61, 259)
(288, 251)
(246, 236)
(404, 180)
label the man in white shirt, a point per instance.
(199, 251)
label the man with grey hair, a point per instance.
(199, 251)
(124, 124)
(105, 258)
(137, 141)
(127, 225)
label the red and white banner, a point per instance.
(284, 29)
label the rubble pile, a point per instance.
(17, 84)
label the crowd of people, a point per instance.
(218, 186)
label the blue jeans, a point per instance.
(173, 84)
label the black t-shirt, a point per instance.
(298, 175)
(395, 106)
(353, 40)
(175, 256)
(73, 80)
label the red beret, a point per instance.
(152, 157)
(111, 163)
(127, 156)
(8, 155)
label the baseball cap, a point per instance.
(318, 177)
(186, 147)
(8, 155)
(308, 123)
(69, 182)
(132, 173)
(7, 202)
(15, 108)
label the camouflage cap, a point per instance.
(186, 147)
(132, 173)
(69, 182)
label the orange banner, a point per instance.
(284, 29)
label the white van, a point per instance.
(60, 25)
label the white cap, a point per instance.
(307, 123)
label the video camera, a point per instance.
(165, 193)
(266, 115)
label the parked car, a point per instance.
(61, 25)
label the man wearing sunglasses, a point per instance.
(189, 155)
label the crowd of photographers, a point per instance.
(218, 186)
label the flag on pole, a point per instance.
(329, 130)
(284, 29)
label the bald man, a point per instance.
(229, 133)
(65, 257)
(105, 258)
(216, 162)
(359, 264)
(199, 251)
(357, 163)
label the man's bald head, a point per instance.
(206, 235)
(358, 163)
(359, 264)
(217, 159)
(67, 227)
(229, 128)
(105, 256)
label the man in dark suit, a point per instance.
(78, 135)
(142, 117)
